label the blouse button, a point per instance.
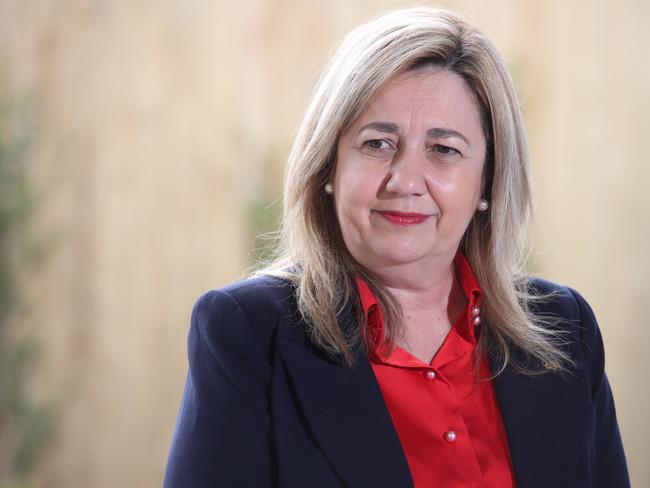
(430, 374)
(450, 436)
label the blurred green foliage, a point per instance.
(26, 424)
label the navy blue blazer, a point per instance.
(264, 407)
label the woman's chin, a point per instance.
(395, 256)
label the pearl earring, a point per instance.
(328, 188)
(483, 205)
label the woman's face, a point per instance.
(409, 171)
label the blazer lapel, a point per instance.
(346, 412)
(539, 414)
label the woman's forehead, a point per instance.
(430, 93)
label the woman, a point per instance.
(394, 343)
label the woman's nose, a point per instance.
(406, 176)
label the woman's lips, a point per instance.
(403, 219)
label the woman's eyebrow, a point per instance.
(381, 127)
(438, 132)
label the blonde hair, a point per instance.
(312, 253)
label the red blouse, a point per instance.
(449, 425)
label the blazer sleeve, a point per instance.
(222, 433)
(610, 465)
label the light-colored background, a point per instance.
(163, 129)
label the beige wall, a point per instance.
(163, 121)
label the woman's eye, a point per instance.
(377, 144)
(446, 151)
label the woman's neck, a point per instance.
(430, 305)
(420, 284)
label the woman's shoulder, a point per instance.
(255, 295)
(556, 299)
(550, 297)
(252, 308)
(567, 309)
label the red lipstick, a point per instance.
(403, 219)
